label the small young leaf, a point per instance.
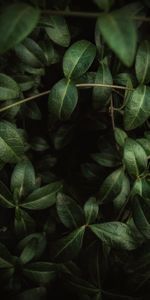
(120, 136)
(137, 109)
(101, 94)
(40, 272)
(69, 212)
(142, 64)
(23, 177)
(68, 247)
(58, 30)
(91, 209)
(42, 197)
(119, 31)
(9, 89)
(11, 143)
(115, 234)
(16, 22)
(63, 99)
(111, 186)
(135, 158)
(78, 58)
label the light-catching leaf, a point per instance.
(69, 212)
(42, 197)
(63, 99)
(68, 247)
(115, 234)
(135, 158)
(78, 58)
(120, 136)
(16, 22)
(142, 64)
(40, 272)
(119, 32)
(9, 89)
(91, 209)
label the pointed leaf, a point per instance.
(78, 58)
(63, 99)
(120, 136)
(69, 212)
(40, 272)
(91, 209)
(40, 242)
(29, 251)
(140, 220)
(142, 64)
(9, 89)
(58, 30)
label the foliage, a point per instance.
(74, 150)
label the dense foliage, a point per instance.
(74, 150)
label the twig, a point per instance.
(112, 112)
(80, 85)
(83, 14)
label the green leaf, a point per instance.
(43, 197)
(6, 198)
(137, 109)
(120, 136)
(38, 293)
(69, 212)
(40, 239)
(91, 209)
(63, 136)
(25, 82)
(23, 177)
(78, 58)
(16, 22)
(68, 247)
(63, 99)
(142, 64)
(23, 223)
(30, 53)
(29, 251)
(119, 201)
(40, 272)
(6, 259)
(140, 220)
(11, 143)
(101, 95)
(145, 143)
(115, 234)
(9, 89)
(135, 158)
(39, 144)
(111, 186)
(105, 159)
(119, 32)
(104, 4)
(57, 30)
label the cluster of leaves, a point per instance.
(74, 150)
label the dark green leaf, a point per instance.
(91, 209)
(16, 22)
(29, 251)
(38, 293)
(6, 198)
(63, 99)
(142, 64)
(40, 272)
(104, 4)
(6, 259)
(40, 243)
(9, 89)
(124, 193)
(105, 159)
(140, 220)
(78, 58)
(120, 136)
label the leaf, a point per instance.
(29, 251)
(23, 177)
(9, 89)
(40, 239)
(145, 143)
(142, 64)
(104, 4)
(111, 186)
(137, 109)
(81, 286)
(101, 94)
(30, 53)
(78, 58)
(63, 99)
(91, 209)
(39, 144)
(63, 136)
(119, 32)
(58, 30)
(16, 22)
(40, 272)
(105, 159)
(11, 143)
(115, 234)
(69, 212)
(6, 198)
(6, 259)
(140, 220)
(135, 158)
(119, 201)
(43, 197)
(120, 136)
(68, 247)
(38, 293)
(23, 223)
(25, 82)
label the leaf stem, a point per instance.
(83, 14)
(79, 85)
